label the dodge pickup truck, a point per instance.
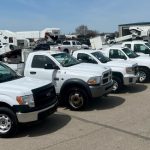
(123, 72)
(140, 47)
(76, 83)
(117, 52)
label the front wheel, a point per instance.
(8, 122)
(143, 75)
(76, 98)
(117, 85)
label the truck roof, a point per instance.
(86, 51)
(47, 52)
(117, 46)
(136, 41)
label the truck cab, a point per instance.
(23, 100)
(123, 73)
(76, 83)
(117, 53)
(140, 47)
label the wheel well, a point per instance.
(64, 89)
(118, 74)
(2, 104)
(144, 67)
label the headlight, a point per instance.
(26, 100)
(129, 70)
(94, 81)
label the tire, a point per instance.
(66, 50)
(117, 85)
(8, 122)
(76, 98)
(143, 75)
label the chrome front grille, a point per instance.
(106, 78)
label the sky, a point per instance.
(99, 15)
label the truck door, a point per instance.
(116, 54)
(78, 45)
(141, 48)
(42, 67)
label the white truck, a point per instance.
(117, 52)
(76, 83)
(140, 47)
(69, 46)
(123, 73)
(23, 100)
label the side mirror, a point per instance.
(50, 66)
(123, 57)
(147, 51)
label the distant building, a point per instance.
(124, 28)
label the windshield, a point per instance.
(101, 57)
(65, 59)
(130, 53)
(147, 44)
(7, 74)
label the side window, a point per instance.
(10, 39)
(115, 54)
(40, 61)
(86, 58)
(78, 43)
(128, 45)
(73, 43)
(139, 48)
(66, 43)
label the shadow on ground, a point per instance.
(47, 126)
(103, 103)
(137, 88)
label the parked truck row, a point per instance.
(74, 79)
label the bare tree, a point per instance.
(82, 30)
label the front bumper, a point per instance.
(99, 91)
(36, 115)
(128, 80)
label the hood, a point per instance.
(23, 85)
(120, 63)
(88, 69)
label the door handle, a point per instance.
(32, 72)
(56, 79)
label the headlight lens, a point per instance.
(94, 81)
(129, 70)
(26, 100)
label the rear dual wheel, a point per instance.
(76, 98)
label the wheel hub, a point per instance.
(5, 123)
(76, 100)
(142, 76)
(115, 86)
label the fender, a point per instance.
(8, 100)
(78, 82)
(118, 74)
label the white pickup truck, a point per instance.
(140, 47)
(69, 46)
(76, 83)
(23, 100)
(117, 52)
(123, 73)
